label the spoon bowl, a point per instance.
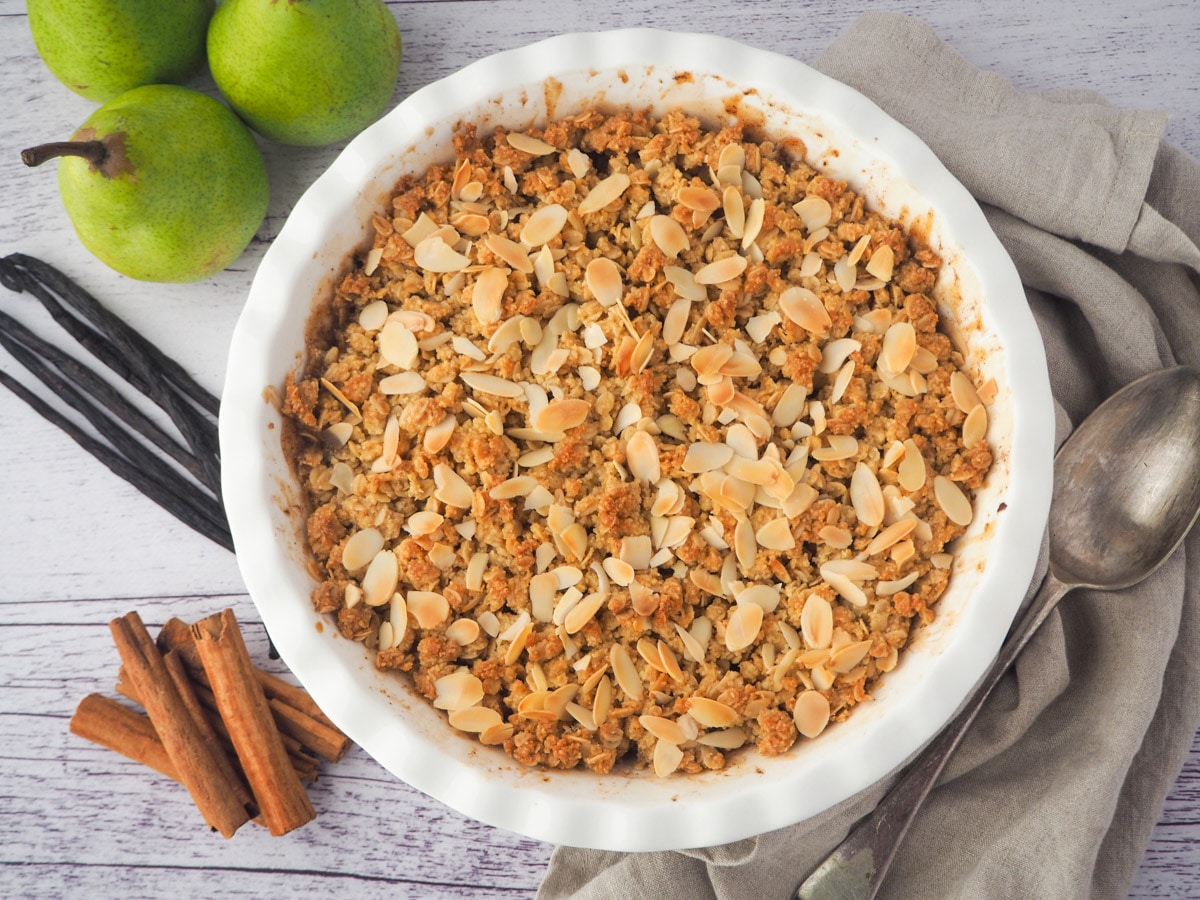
(1127, 483)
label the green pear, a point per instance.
(309, 72)
(162, 184)
(102, 48)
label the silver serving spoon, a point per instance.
(1126, 492)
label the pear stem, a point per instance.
(93, 151)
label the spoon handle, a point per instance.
(856, 868)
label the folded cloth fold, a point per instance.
(1057, 788)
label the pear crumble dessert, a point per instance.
(632, 440)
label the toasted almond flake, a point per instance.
(706, 457)
(457, 691)
(604, 193)
(866, 495)
(838, 446)
(735, 210)
(476, 719)
(529, 144)
(386, 638)
(519, 486)
(380, 580)
(811, 713)
(741, 365)
(692, 648)
(805, 308)
(663, 729)
(373, 316)
(544, 224)
(965, 396)
(517, 647)
(711, 713)
(648, 650)
(722, 270)
(603, 278)
(643, 600)
(491, 384)
(842, 381)
(423, 522)
(625, 673)
(535, 458)
(578, 162)
(759, 328)
(667, 757)
(707, 581)
(888, 588)
(684, 283)
(728, 739)
(892, 455)
(854, 569)
(361, 548)
(474, 575)
(434, 255)
(744, 544)
(701, 199)
(429, 608)
(636, 551)
(677, 531)
(462, 631)
(845, 274)
(421, 229)
(845, 658)
(764, 595)
(619, 571)
(562, 415)
(882, 262)
(675, 321)
(974, 426)
(452, 488)
(732, 155)
(508, 334)
(752, 471)
(899, 345)
(487, 294)
(641, 455)
(911, 472)
(814, 212)
(341, 398)
(741, 630)
(776, 535)
(754, 222)
(846, 589)
(337, 435)
(465, 347)
(602, 702)
(902, 552)
(709, 360)
(510, 252)
(835, 353)
(952, 500)
(669, 236)
(924, 361)
(583, 612)
(857, 251)
(642, 352)
(790, 406)
(816, 621)
(835, 536)
(667, 499)
(402, 384)
(589, 377)
(895, 532)
(670, 663)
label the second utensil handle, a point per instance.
(856, 868)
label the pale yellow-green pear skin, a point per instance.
(178, 190)
(102, 48)
(308, 72)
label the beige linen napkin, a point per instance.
(1058, 786)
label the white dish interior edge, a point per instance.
(980, 290)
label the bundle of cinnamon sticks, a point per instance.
(242, 741)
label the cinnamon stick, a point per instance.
(243, 706)
(198, 770)
(296, 713)
(106, 722)
(183, 684)
(307, 767)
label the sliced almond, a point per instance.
(476, 719)
(866, 495)
(776, 535)
(544, 224)
(429, 608)
(911, 470)
(669, 236)
(814, 212)
(722, 270)
(423, 522)
(811, 713)
(603, 279)
(663, 729)
(965, 396)
(816, 621)
(625, 673)
(492, 384)
(529, 144)
(667, 757)
(380, 580)
(882, 262)
(805, 308)
(735, 210)
(952, 500)
(741, 630)
(458, 690)
(641, 455)
(974, 426)
(604, 193)
(452, 488)
(361, 548)
(711, 713)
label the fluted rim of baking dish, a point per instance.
(637, 812)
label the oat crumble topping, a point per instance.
(635, 440)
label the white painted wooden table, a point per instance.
(78, 546)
